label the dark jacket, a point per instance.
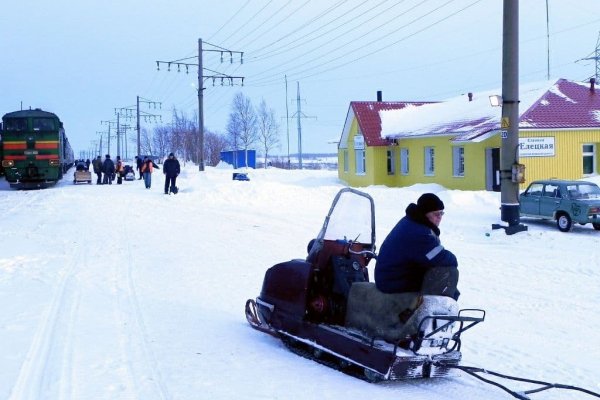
(171, 167)
(410, 249)
(97, 165)
(108, 167)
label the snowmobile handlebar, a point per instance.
(363, 253)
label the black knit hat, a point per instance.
(429, 202)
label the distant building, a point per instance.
(238, 158)
(456, 143)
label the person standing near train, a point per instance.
(108, 167)
(97, 164)
(119, 170)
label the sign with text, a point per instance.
(536, 147)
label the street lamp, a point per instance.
(496, 100)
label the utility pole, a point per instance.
(548, 39)
(226, 80)
(299, 115)
(287, 122)
(511, 172)
(108, 135)
(100, 143)
(127, 112)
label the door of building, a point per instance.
(492, 169)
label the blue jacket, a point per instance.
(412, 247)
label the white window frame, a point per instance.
(360, 162)
(458, 161)
(391, 161)
(587, 154)
(404, 161)
(429, 167)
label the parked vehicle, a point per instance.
(565, 202)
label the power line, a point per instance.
(355, 50)
(224, 80)
(286, 47)
(229, 20)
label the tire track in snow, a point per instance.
(146, 374)
(47, 368)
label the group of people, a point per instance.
(108, 170)
(82, 165)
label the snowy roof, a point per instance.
(367, 114)
(564, 104)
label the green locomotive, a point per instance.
(35, 150)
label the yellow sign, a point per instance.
(505, 122)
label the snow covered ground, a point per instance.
(120, 292)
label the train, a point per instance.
(34, 148)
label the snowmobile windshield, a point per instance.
(351, 217)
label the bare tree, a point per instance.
(161, 140)
(268, 129)
(241, 127)
(146, 142)
(214, 144)
(184, 136)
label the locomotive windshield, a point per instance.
(15, 124)
(43, 124)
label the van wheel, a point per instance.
(564, 223)
(596, 226)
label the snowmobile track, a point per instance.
(329, 360)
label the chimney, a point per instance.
(470, 96)
(379, 96)
(592, 83)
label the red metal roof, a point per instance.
(567, 104)
(369, 122)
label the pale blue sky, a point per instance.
(82, 59)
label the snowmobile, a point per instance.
(325, 308)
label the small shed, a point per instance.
(239, 158)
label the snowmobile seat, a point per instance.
(395, 316)
(378, 314)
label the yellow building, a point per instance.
(456, 143)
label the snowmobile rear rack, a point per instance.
(464, 323)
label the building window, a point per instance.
(404, 161)
(360, 162)
(391, 162)
(429, 161)
(458, 161)
(345, 160)
(589, 159)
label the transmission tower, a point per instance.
(596, 58)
